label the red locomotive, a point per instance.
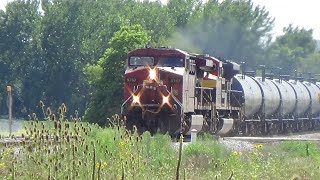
(170, 90)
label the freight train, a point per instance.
(172, 91)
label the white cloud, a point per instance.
(3, 3)
(302, 13)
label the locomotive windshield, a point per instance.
(141, 61)
(170, 62)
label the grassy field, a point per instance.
(74, 150)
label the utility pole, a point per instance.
(9, 90)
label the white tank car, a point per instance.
(288, 96)
(271, 96)
(303, 97)
(251, 93)
(315, 97)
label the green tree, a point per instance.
(290, 49)
(182, 10)
(152, 16)
(19, 50)
(231, 29)
(108, 94)
(310, 64)
(43, 50)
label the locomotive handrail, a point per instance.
(204, 88)
(235, 98)
(181, 108)
(124, 103)
(205, 96)
(175, 98)
(235, 91)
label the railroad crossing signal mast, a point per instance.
(9, 104)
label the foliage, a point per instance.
(68, 148)
(72, 149)
(182, 10)
(300, 149)
(230, 29)
(19, 51)
(289, 50)
(207, 145)
(109, 87)
(45, 46)
(310, 64)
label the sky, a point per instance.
(302, 13)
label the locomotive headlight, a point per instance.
(153, 74)
(136, 99)
(165, 99)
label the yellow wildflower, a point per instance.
(260, 146)
(103, 165)
(235, 153)
(2, 165)
(122, 144)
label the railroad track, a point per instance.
(271, 139)
(13, 141)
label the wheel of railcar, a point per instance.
(306, 125)
(244, 129)
(265, 128)
(252, 129)
(311, 125)
(283, 127)
(162, 127)
(186, 124)
(273, 128)
(316, 124)
(291, 126)
(205, 126)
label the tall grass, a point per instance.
(78, 150)
(62, 149)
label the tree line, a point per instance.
(73, 51)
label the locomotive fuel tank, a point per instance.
(251, 94)
(303, 97)
(288, 96)
(270, 95)
(315, 95)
